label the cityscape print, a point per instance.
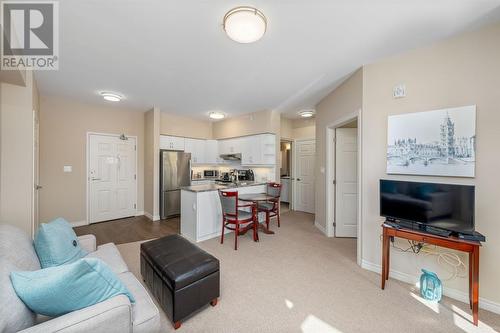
(433, 143)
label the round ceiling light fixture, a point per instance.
(112, 97)
(245, 24)
(216, 115)
(307, 113)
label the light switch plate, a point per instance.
(399, 91)
(68, 168)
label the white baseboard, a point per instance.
(452, 293)
(78, 223)
(151, 217)
(320, 227)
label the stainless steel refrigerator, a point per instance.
(175, 171)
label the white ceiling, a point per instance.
(175, 55)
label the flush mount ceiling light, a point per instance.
(306, 113)
(245, 24)
(216, 115)
(112, 97)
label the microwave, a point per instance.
(210, 173)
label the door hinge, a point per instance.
(334, 224)
(135, 206)
(334, 182)
(135, 147)
(135, 176)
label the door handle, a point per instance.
(38, 187)
(298, 179)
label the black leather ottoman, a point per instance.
(181, 276)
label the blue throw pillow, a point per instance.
(59, 290)
(56, 244)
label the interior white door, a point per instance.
(304, 188)
(112, 177)
(346, 182)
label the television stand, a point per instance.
(389, 231)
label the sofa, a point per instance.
(116, 314)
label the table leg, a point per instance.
(384, 258)
(471, 264)
(475, 286)
(388, 260)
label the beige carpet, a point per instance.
(298, 280)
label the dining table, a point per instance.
(256, 198)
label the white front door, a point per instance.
(112, 177)
(304, 176)
(346, 180)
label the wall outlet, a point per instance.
(67, 168)
(399, 91)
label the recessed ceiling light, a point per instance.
(112, 97)
(216, 115)
(245, 24)
(306, 113)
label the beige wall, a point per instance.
(63, 141)
(286, 128)
(152, 163)
(171, 124)
(16, 153)
(304, 128)
(247, 124)
(297, 128)
(344, 100)
(464, 70)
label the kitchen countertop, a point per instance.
(216, 187)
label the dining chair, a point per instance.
(234, 218)
(272, 206)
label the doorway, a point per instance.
(286, 175)
(305, 154)
(343, 177)
(346, 180)
(112, 177)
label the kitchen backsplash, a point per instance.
(261, 174)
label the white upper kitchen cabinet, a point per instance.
(172, 142)
(230, 146)
(259, 150)
(212, 152)
(197, 149)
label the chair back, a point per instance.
(229, 202)
(273, 189)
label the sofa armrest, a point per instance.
(88, 242)
(112, 315)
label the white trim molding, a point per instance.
(330, 176)
(151, 217)
(78, 223)
(320, 227)
(450, 292)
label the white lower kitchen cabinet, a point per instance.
(201, 213)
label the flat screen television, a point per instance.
(443, 206)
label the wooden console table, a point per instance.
(471, 247)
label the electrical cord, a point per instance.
(451, 262)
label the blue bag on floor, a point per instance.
(430, 286)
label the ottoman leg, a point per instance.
(213, 302)
(177, 324)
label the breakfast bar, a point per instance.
(201, 213)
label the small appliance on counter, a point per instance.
(225, 177)
(210, 173)
(244, 175)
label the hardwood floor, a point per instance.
(131, 229)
